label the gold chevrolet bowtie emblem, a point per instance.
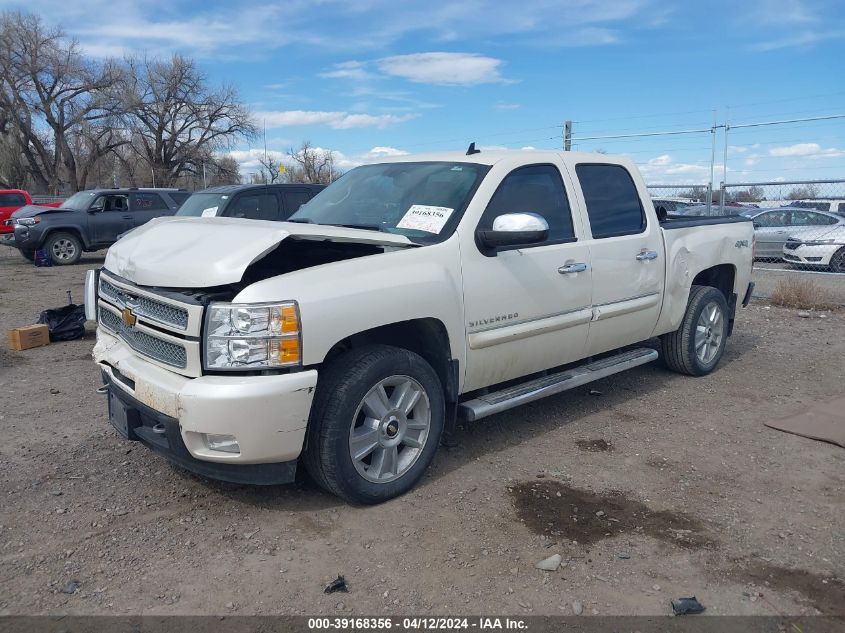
(128, 318)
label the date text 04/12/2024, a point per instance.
(416, 624)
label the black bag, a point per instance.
(66, 323)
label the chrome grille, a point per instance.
(143, 343)
(146, 307)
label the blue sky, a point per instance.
(368, 78)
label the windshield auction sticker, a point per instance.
(421, 217)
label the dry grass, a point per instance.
(802, 294)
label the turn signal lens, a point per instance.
(286, 350)
(290, 321)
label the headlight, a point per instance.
(818, 242)
(249, 336)
(28, 221)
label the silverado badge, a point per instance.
(128, 317)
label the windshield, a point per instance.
(422, 201)
(204, 204)
(79, 201)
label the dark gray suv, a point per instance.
(89, 220)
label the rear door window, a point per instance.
(613, 204)
(295, 199)
(262, 206)
(147, 202)
(772, 219)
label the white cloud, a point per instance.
(664, 169)
(386, 151)
(804, 38)
(249, 160)
(806, 150)
(506, 106)
(448, 69)
(335, 120)
(349, 70)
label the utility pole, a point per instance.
(567, 136)
(712, 163)
(724, 166)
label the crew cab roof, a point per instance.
(491, 157)
(230, 189)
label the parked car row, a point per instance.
(803, 232)
(95, 219)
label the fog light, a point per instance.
(222, 443)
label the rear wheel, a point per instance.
(63, 248)
(375, 424)
(696, 347)
(837, 262)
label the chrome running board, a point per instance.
(513, 396)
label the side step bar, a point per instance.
(537, 388)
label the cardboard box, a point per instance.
(29, 336)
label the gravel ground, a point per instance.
(649, 485)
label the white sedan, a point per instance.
(825, 249)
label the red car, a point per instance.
(10, 201)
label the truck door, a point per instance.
(527, 308)
(626, 249)
(109, 216)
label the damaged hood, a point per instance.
(189, 252)
(31, 210)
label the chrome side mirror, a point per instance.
(514, 229)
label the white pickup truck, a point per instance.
(407, 295)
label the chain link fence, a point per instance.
(799, 231)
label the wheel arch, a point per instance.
(427, 337)
(74, 230)
(722, 277)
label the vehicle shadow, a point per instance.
(495, 433)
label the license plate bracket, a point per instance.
(119, 415)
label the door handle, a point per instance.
(572, 268)
(646, 255)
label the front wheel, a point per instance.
(375, 425)
(696, 347)
(837, 262)
(63, 248)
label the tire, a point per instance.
(837, 261)
(63, 248)
(29, 255)
(348, 413)
(696, 347)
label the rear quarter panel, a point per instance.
(689, 251)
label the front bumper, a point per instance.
(267, 415)
(811, 254)
(26, 238)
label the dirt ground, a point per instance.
(650, 485)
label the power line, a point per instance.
(643, 134)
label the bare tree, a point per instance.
(803, 192)
(271, 169)
(56, 101)
(752, 194)
(312, 165)
(226, 172)
(177, 119)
